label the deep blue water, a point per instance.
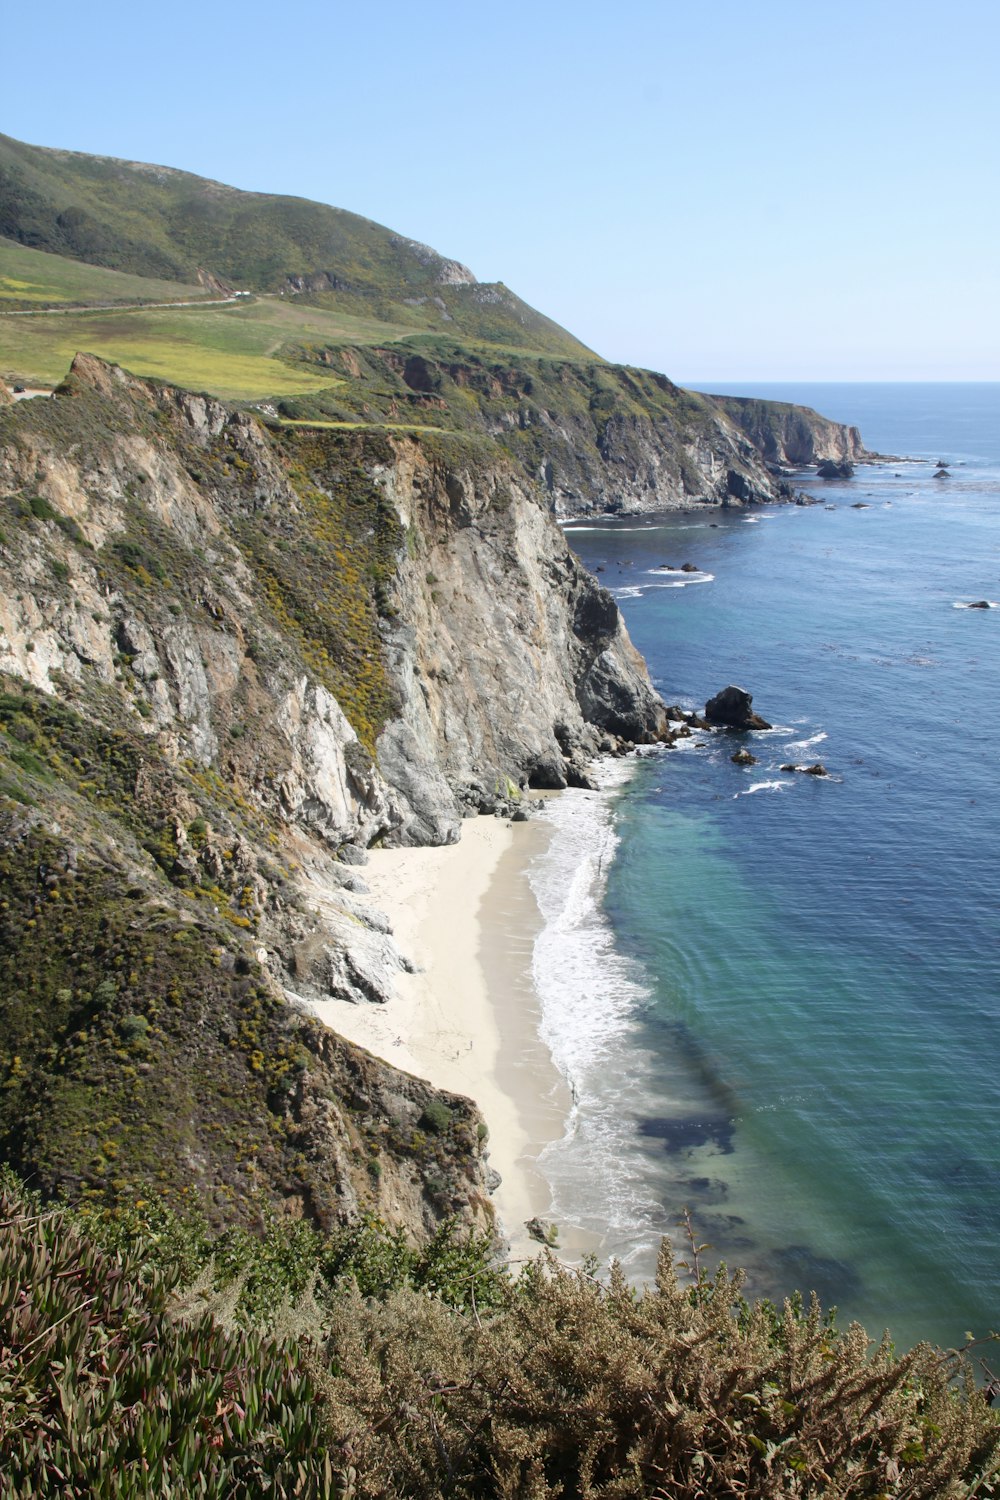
(808, 970)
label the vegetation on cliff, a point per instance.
(144, 1051)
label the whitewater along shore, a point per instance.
(467, 1019)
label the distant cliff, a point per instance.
(792, 435)
(230, 659)
(593, 436)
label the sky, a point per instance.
(779, 190)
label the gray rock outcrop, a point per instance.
(835, 469)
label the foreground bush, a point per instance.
(406, 1374)
(580, 1390)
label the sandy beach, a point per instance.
(468, 1019)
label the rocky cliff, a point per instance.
(592, 436)
(231, 659)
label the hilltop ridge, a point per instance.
(163, 223)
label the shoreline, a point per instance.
(467, 1020)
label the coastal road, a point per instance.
(48, 312)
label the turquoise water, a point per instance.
(797, 1029)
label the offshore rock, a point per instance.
(830, 469)
(731, 709)
(544, 1231)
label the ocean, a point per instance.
(777, 997)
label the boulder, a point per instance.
(816, 769)
(831, 469)
(981, 604)
(743, 758)
(731, 709)
(689, 568)
(542, 1230)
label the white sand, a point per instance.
(468, 1020)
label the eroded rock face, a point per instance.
(732, 709)
(512, 664)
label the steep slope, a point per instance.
(231, 660)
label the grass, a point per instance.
(243, 352)
(32, 278)
(232, 352)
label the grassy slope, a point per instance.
(233, 352)
(31, 279)
(160, 223)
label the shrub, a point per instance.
(133, 1028)
(584, 1390)
(41, 509)
(140, 561)
(108, 1391)
(436, 1117)
(431, 1373)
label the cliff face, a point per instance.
(231, 659)
(792, 435)
(512, 665)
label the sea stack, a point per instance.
(731, 709)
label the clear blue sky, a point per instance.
(734, 190)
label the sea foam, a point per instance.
(589, 995)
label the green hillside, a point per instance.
(32, 279)
(159, 223)
(234, 351)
